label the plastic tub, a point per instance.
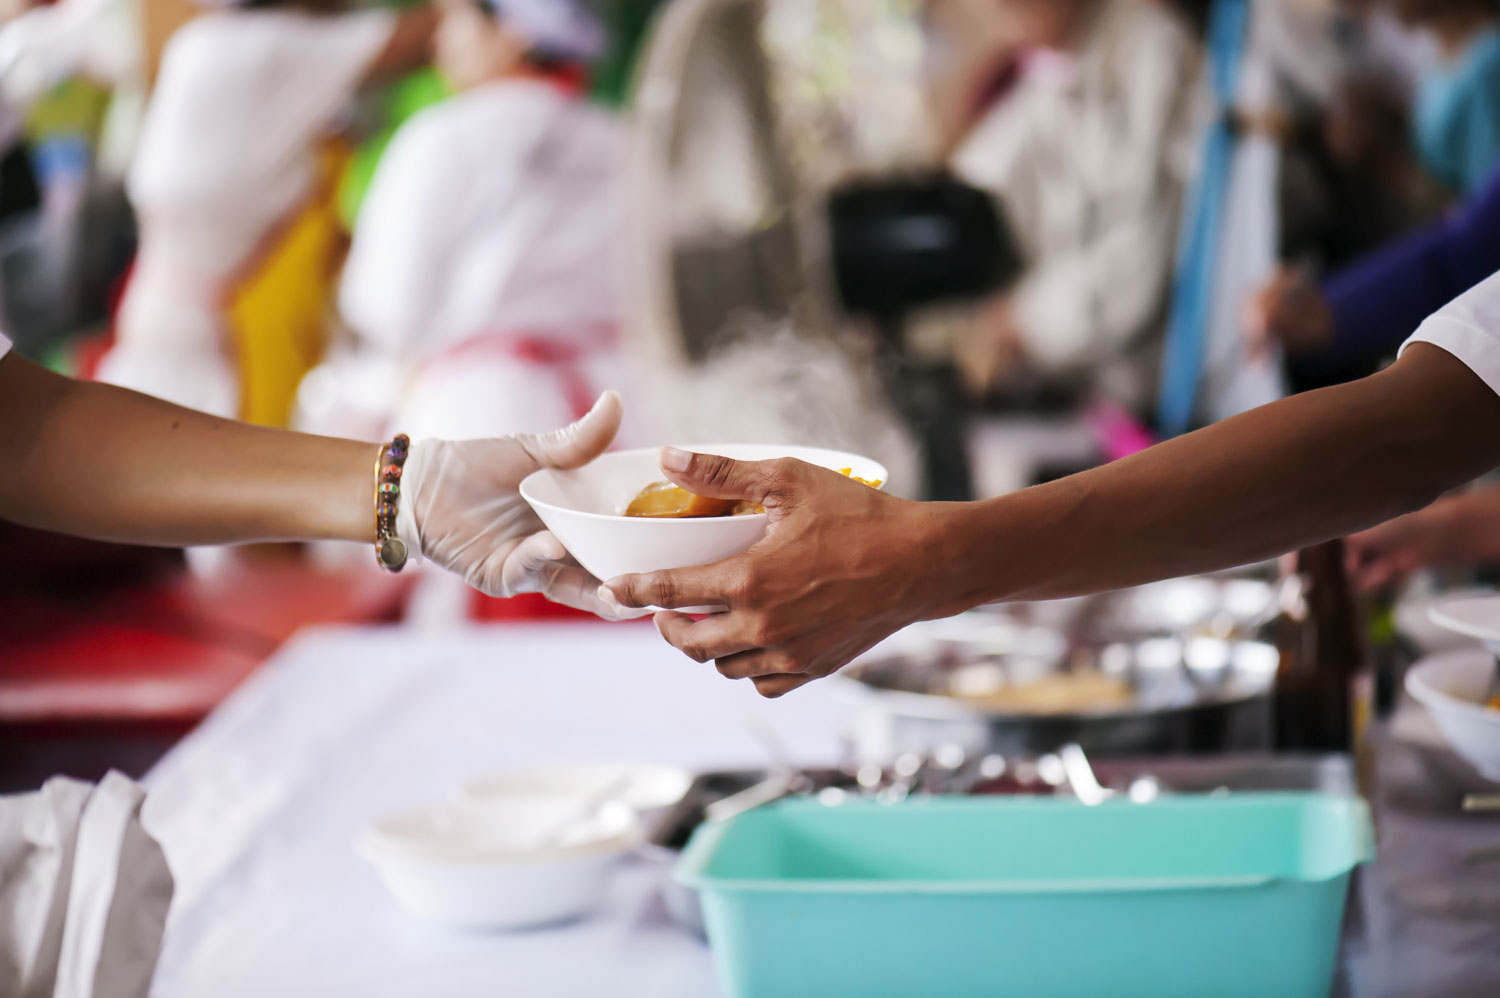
(1230, 895)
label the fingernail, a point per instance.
(673, 459)
(608, 598)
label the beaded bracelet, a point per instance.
(390, 550)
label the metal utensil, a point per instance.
(1085, 785)
(1481, 802)
(773, 788)
(585, 812)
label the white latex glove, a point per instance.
(461, 507)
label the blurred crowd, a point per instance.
(415, 218)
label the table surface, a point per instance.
(258, 808)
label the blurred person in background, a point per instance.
(232, 183)
(1457, 531)
(1456, 118)
(1362, 312)
(99, 461)
(73, 76)
(482, 288)
(1088, 155)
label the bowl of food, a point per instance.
(619, 515)
(511, 863)
(1455, 689)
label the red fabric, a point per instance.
(563, 360)
(168, 648)
(530, 606)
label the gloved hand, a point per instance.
(461, 507)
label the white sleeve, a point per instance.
(395, 277)
(1468, 327)
(312, 65)
(4, 345)
(242, 94)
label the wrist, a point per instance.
(955, 535)
(350, 498)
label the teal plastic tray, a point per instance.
(1188, 895)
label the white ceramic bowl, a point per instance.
(1416, 618)
(1473, 616)
(585, 509)
(647, 788)
(482, 868)
(1451, 686)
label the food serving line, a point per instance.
(259, 810)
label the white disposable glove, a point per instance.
(461, 507)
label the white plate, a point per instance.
(1414, 619)
(1471, 616)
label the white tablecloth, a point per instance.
(258, 808)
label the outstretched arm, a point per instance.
(104, 462)
(842, 566)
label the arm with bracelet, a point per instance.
(111, 464)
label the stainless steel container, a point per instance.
(1190, 674)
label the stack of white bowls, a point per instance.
(521, 849)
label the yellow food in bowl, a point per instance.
(665, 501)
(1063, 693)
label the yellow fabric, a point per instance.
(278, 315)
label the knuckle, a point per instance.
(782, 471)
(742, 586)
(792, 665)
(660, 589)
(714, 470)
(762, 632)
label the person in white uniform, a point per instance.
(827, 583)
(482, 289)
(228, 155)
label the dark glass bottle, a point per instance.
(1322, 652)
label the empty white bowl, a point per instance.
(648, 788)
(1452, 686)
(476, 867)
(585, 509)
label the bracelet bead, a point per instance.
(390, 551)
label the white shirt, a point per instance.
(1468, 327)
(228, 151)
(4, 345)
(229, 146)
(1089, 156)
(494, 212)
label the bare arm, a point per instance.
(1303, 470)
(409, 47)
(104, 462)
(842, 566)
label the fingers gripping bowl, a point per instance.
(585, 509)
